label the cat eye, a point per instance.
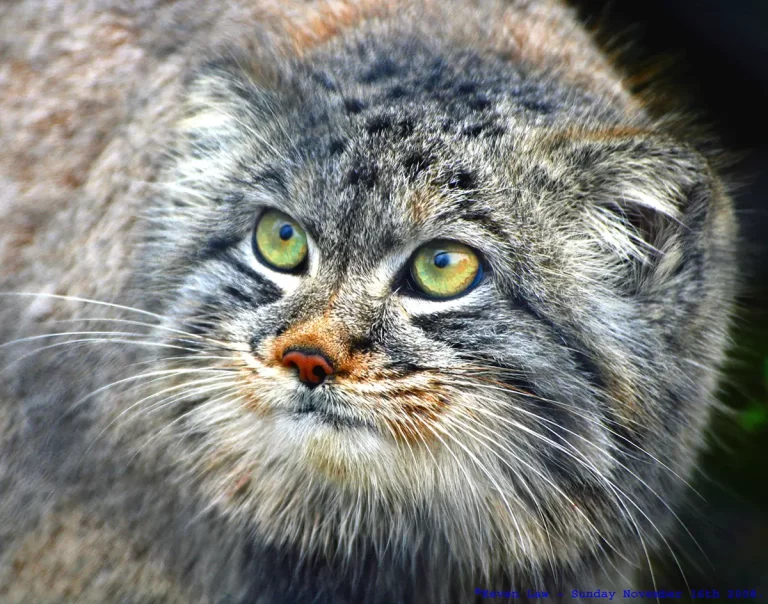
(280, 242)
(445, 269)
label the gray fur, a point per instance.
(563, 400)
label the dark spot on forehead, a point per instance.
(473, 130)
(466, 88)
(537, 106)
(364, 175)
(462, 179)
(337, 146)
(417, 162)
(487, 129)
(496, 130)
(434, 75)
(479, 103)
(405, 126)
(432, 81)
(324, 80)
(397, 92)
(380, 124)
(354, 105)
(381, 69)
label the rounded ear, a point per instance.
(654, 207)
(222, 103)
(226, 111)
(226, 114)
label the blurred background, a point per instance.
(714, 54)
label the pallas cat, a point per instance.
(344, 302)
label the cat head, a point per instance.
(437, 296)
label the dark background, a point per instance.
(714, 54)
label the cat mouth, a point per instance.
(328, 415)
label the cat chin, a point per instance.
(330, 503)
(336, 451)
(335, 492)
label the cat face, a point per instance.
(428, 305)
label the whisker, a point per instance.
(136, 323)
(611, 485)
(526, 486)
(463, 469)
(501, 386)
(69, 333)
(185, 357)
(206, 381)
(132, 309)
(85, 300)
(165, 372)
(164, 375)
(618, 462)
(186, 395)
(556, 489)
(493, 481)
(178, 419)
(93, 341)
(202, 386)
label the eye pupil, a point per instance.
(286, 232)
(442, 259)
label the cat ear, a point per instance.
(224, 102)
(648, 206)
(227, 112)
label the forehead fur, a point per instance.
(378, 145)
(375, 149)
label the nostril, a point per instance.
(313, 368)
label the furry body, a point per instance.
(533, 433)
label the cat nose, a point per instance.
(313, 366)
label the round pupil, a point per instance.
(442, 259)
(286, 232)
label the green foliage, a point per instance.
(755, 416)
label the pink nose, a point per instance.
(313, 368)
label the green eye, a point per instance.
(444, 269)
(279, 241)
